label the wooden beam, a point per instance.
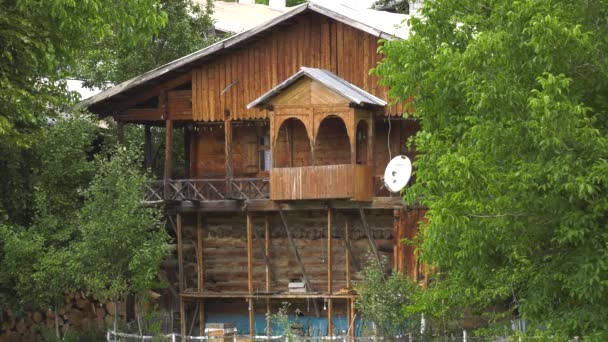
(347, 251)
(329, 251)
(168, 157)
(272, 206)
(200, 271)
(267, 254)
(250, 273)
(351, 318)
(180, 253)
(264, 250)
(228, 154)
(187, 139)
(294, 249)
(370, 237)
(182, 319)
(147, 147)
(330, 323)
(180, 267)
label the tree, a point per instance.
(513, 157)
(189, 28)
(38, 43)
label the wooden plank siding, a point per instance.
(321, 182)
(312, 40)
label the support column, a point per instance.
(347, 251)
(180, 267)
(200, 272)
(330, 324)
(168, 157)
(250, 274)
(329, 251)
(228, 151)
(147, 147)
(267, 252)
(187, 139)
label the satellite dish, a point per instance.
(397, 173)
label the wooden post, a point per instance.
(147, 147)
(267, 252)
(180, 253)
(200, 272)
(187, 139)
(168, 159)
(120, 132)
(370, 142)
(250, 274)
(228, 151)
(182, 319)
(329, 252)
(351, 318)
(180, 267)
(330, 323)
(370, 237)
(347, 251)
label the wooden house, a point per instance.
(286, 137)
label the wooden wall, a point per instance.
(207, 148)
(208, 157)
(229, 82)
(225, 249)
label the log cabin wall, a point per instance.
(229, 82)
(225, 249)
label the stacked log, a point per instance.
(78, 311)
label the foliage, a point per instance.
(382, 299)
(122, 242)
(38, 42)
(400, 6)
(34, 255)
(189, 28)
(89, 230)
(513, 157)
(288, 3)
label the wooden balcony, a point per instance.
(345, 181)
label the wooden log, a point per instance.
(37, 317)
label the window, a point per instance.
(264, 152)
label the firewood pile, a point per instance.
(79, 311)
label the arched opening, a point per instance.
(332, 146)
(362, 132)
(292, 146)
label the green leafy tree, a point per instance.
(189, 28)
(38, 44)
(513, 157)
(122, 243)
(382, 300)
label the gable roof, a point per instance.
(328, 79)
(380, 24)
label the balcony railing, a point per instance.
(311, 182)
(207, 190)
